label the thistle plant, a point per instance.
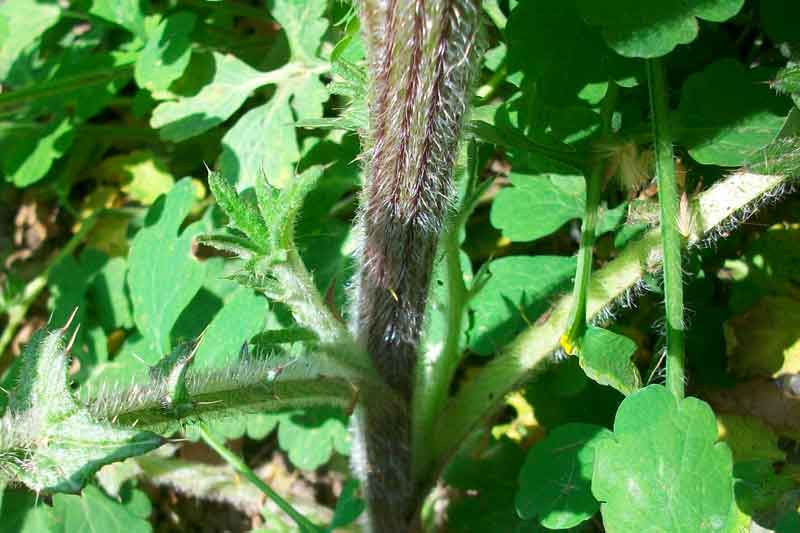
(411, 363)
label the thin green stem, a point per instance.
(305, 525)
(434, 379)
(671, 239)
(18, 310)
(570, 341)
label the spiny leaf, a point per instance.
(242, 214)
(49, 441)
(788, 80)
(662, 470)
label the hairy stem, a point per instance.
(420, 56)
(670, 237)
(248, 387)
(305, 525)
(594, 183)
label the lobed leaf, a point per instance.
(727, 113)
(166, 52)
(231, 85)
(163, 276)
(21, 23)
(662, 470)
(653, 29)
(555, 480)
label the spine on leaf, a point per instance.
(420, 55)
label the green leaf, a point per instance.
(555, 481)
(606, 358)
(788, 523)
(554, 47)
(93, 511)
(488, 476)
(779, 19)
(663, 470)
(166, 53)
(29, 154)
(233, 82)
(242, 214)
(653, 29)
(311, 436)
(279, 209)
(749, 438)
(515, 295)
(49, 441)
(759, 486)
(727, 113)
(303, 23)
(547, 201)
(163, 276)
(261, 143)
(22, 514)
(28, 19)
(126, 13)
(241, 317)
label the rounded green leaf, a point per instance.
(727, 113)
(652, 29)
(663, 469)
(606, 358)
(537, 205)
(514, 295)
(550, 43)
(555, 481)
(311, 436)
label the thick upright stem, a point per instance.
(420, 62)
(670, 236)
